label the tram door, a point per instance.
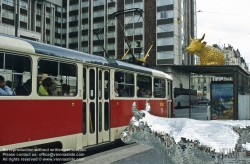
(97, 107)
(170, 98)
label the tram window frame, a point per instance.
(124, 83)
(18, 76)
(84, 82)
(159, 88)
(142, 83)
(61, 76)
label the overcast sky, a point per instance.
(225, 22)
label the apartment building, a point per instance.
(164, 24)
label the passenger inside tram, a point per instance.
(140, 92)
(44, 87)
(66, 90)
(4, 89)
(122, 92)
(52, 88)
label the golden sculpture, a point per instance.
(208, 55)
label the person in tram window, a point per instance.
(44, 87)
(65, 89)
(52, 88)
(122, 92)
(4, 89)
(140, 92)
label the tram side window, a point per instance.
(124, 84)
(56, 78)
(159, 88)
(144, 86)
(14, 72)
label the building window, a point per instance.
(64, 9)
(23, 18)
(47, 13)
(85, 4)
(85, 26)
(137, 18)
(63, 31)
(73, 40)
(111, 34)
(48, 4)
(165, 41)
(58, 8)
(7, 14)
(47, 37)
(38, 23)
(138, 5)
(128, 6)
(23, 4)
(85, 15)
(165, 28)
(8, 2)
(111, 10)
(97, 48)
(58, 30)
(165, 14)
(165, 55)
(164, 2)
(138, 31)
(128, 32)
(98, 2)
(73, 29)
(111, 46)
(73, 18)
(58, 19)
(47, 26)
(57, 41)
(38, 11)
(98, 13)
(85, 49)
(73, 7)
(101, 37)
(98, 25)
(111, 23)
(85, 38)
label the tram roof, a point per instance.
(50, 50)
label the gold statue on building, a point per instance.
(208, 55)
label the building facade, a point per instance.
(162, 30)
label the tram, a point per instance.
(96, 107)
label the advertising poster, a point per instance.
(222, 100)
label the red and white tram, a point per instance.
(90, 114)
